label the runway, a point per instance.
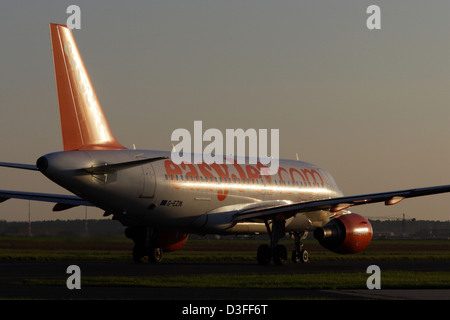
(12, 275)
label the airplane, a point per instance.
(161, 202)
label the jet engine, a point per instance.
(171, 241)
(346, 233)
(153, 246)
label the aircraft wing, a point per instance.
(286, 211)
(63, 202)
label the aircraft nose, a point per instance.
(42, 164)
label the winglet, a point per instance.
(83, 123)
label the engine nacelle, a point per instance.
(171, 241)
(347, 233)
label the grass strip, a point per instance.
(207, 250)
(334, 281)
(209, 256)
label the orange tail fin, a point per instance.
(83, 123)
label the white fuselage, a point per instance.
(194, 198)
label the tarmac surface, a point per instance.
(12, 275)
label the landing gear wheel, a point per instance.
(304, 256)
(279, 255)
(138, 254)
(264, 254)
(295, 257)
(300, 257)
(155, 254)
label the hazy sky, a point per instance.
(370, 106)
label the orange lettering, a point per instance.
(292, 171)
(172, 170)
(192, 174)
(313, 174)
(253, 174)
(204, 168)
(221, 194)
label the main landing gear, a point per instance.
(278, 252)
(145, 244)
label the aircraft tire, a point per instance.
(138, 254)
(264, 254)
(280, 255)
(300, 257)
(155, 254)
(295, 257)
(304, 256)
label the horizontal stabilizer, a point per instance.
(19, 166)
(108, 168)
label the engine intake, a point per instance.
(347, 233)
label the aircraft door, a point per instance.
(148, 190)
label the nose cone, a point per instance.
(42, 164)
